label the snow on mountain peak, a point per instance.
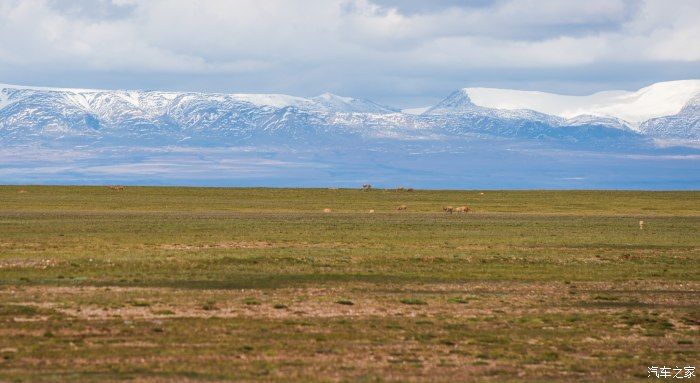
(325, 102)
(273, 100)
(656, 100)
(335, 103)
(330, 96)
(669, 109)
(49, 89)
(456, 102)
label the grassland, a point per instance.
(190, 284)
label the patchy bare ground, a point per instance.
(27, 263)
(470, 300)
(188, 284)
(403, 332)
(259, 245)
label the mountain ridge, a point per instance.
(41, 112)
(653, 101)
(190, 138)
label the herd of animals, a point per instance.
(458, 209)
(446, 209)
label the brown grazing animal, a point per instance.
(448, 209)
(402, 207)
(462, 209)
(399, 189)
(371, 211)
(641, 225)
(327, 210)
(409, 190)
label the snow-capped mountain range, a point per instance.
(475, 137)
(631, 108)
(668, 110)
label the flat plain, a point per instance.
(224, 284)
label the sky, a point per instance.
(408, 53)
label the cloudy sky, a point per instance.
(404, 53)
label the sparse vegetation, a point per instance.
(193, 284)
(251, 301)
(413, 301)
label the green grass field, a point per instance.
(209, 284)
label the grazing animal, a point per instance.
(327, 210)
(401, 207)
(409, 190)
(641, 225)
(482, 193)
(399, 189)
(371, 211)
(366, 187)
(115, 187)
(22, 191)
(448, 209)
(462, 209)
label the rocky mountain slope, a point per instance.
(44, 115)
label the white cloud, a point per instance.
(275, 39)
